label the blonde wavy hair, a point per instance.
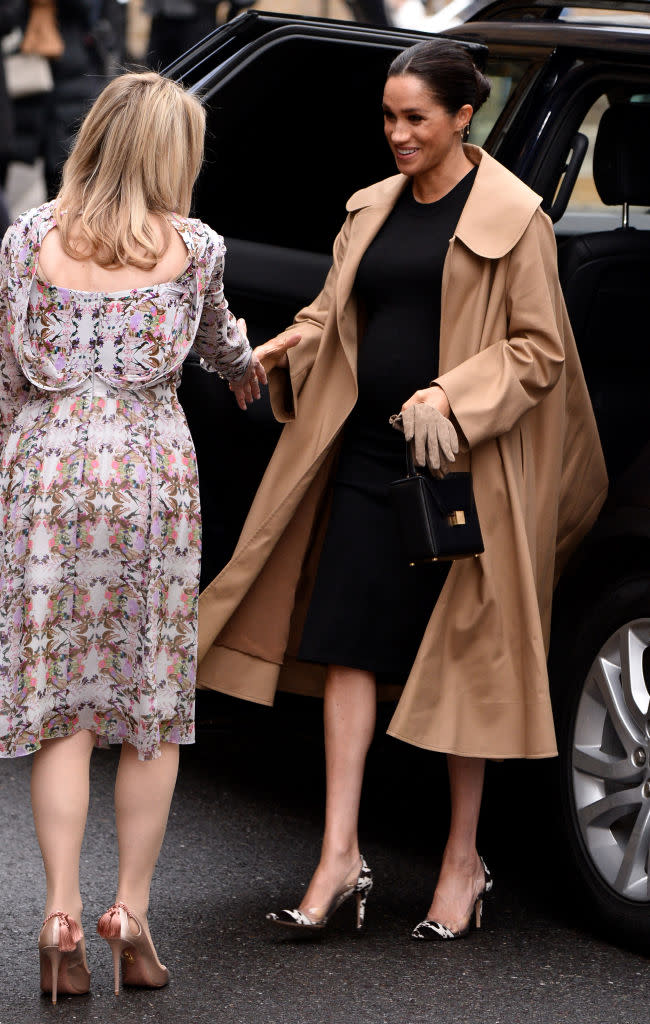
(138, 153)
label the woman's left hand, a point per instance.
(434, 396)
(425, 420)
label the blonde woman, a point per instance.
(103, 292)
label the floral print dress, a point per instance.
(99, 503)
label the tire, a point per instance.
(601, 675)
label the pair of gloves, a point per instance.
(434, 437)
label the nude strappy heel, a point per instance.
(134, 951)
(62, 954)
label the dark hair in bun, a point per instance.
(447, 70)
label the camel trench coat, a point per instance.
(510, 369)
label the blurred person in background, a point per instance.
(414, 14)
(176, 25)
(10, 15)
(62, 32)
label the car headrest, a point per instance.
(622, 155)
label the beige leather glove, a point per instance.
(434, 436)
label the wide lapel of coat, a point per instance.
(498, 210)
(369, 209)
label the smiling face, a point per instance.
(420, 132)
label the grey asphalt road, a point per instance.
(242, 839)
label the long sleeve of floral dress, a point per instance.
(219, 342)
(14, 386)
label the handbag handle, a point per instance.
(453, 505)
(411, 469)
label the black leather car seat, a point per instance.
(606, 282)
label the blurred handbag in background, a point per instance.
(437, 516)
(27, 74)
(27, 67)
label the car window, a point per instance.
(300, 126)
(291, 135)
(586, 211)
(505, 75)
(609, 17)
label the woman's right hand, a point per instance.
(273, 353)
(264, 359)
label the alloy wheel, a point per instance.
(611, 761)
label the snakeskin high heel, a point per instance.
(435, 930)
(316, 922)
(135, 951)
(62, 954)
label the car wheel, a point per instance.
(602, 680)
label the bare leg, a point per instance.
(350, 711)
(461, 874)
(143, 795)
(60, 789)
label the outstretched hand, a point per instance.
(273, 353)
(265, 358)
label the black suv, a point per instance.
(290, 112)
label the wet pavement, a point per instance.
(242, 839)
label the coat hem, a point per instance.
(490, 756)
(238, 674)
(233, 692)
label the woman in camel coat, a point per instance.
(510, 381)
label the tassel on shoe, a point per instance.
(109, 925)
(69, 931)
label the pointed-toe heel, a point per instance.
(133, 952)
(62, 955)
(317, 922)
(433, 931)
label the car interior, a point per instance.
(604, 275)
(596, 192)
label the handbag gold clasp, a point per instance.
(456, 518)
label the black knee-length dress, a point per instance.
(369, 608)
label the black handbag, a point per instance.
(437, 517)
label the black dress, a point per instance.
(369, 608)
